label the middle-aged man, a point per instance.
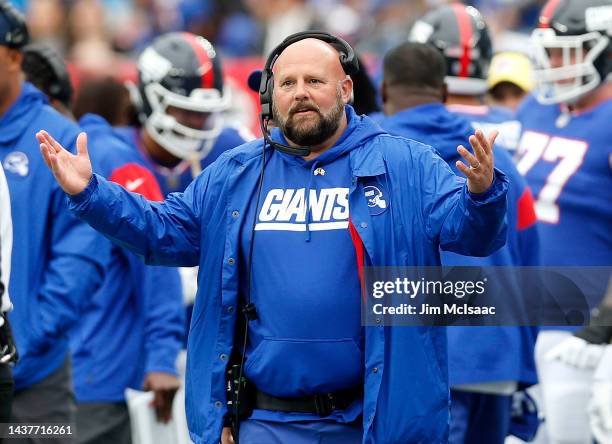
(57, 260)
(285, 247)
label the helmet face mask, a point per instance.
(576, 75)
(183, 99)
(176, 135)
(572, 49)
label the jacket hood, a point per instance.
(90, 119)
(359, 130)
(433, 125)
(19, 115)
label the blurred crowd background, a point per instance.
(103, 37)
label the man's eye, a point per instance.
(314, 81)
(286, 83)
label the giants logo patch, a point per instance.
(285, 210)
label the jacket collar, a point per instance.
(367, 163)
(364, 162)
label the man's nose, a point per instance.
(300, 92)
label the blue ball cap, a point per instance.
(13, 28)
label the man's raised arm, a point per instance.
(165, 233)
(472, 222)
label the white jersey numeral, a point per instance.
(570, 155)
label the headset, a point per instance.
(17, 35)
(349, 63)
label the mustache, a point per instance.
(304, 107)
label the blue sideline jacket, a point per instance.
(57, 261)
(406, 383)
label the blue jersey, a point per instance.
(133, 324)
(489, 118)
(566, 160)
(177, 178)
(471, 349)
(57, 261)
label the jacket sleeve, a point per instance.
(158, 287)
(164, 233)
(164, 318)
(462, 222)
(78, 257)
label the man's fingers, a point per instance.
(158, 403)
(479, 150)
(484, 142)
(82, 144)
(163, 406)
(169, 396)
(45, 138)
(45, 153)
(54, 144)
(465, 169)
(469, 157)
(49, 157)
(40, 137)
(492, 137)
(162, 403)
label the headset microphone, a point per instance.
(294, 151)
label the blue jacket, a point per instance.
(135, 322)
(57, 261)
(471, 349)
(406, 388)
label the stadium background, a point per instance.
(102, 38)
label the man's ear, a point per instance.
(444, 92)
(347, 90)
(15, 59)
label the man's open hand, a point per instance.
(479, 168)
(73, 173)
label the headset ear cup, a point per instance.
(265, 94)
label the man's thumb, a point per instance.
(82, 143)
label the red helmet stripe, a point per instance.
(465, 36)
(547, 13)
(208, 78)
